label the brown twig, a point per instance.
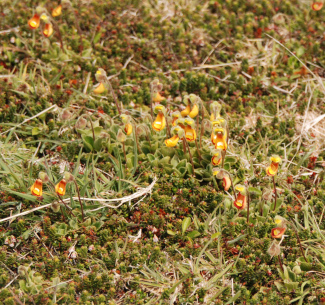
(280, 262)
(114, 97)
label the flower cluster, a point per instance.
(41, 14)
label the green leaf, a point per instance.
(88, 142)
(215, 235)
(194, 234)
(185, 224)
(170, 232)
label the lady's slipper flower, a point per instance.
(186, 111)
(194, 112)
(57, 11)
(216, 158)
(280, 221)
(157, 98)
(48, 30)
(99, 88)
(160, 122)
(175, 116)
(226, 183)
(37, 188)
(172, 141)
(190, 133)
(316, 6)
(273, 168)
(34, 22)
(60, 187)
(241, 200)
(219, 138)
(128, 129)
(277, 232)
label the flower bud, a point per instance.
(55, 206)
(81, 123)
(121, 137)
(44, 177)
(68, 177)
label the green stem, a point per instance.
(189, 152)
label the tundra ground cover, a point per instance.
(162, 152)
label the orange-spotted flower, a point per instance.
(175, 116)
(277, 232)
(273, 168)
(160, 122)
(219, 138)
(178, 134)
(37, 188)
(34, 22)
(194, 100)
(186, 111)
(316, 6)
(190, 133)
(194, 111)
(226, 183)
(57, 11)
(128, 129)
(48, 30)
(224, 175)
(127, 125)
(99, 88)
(217, 157)
(61, 187)
(157, 98)
(241, 200)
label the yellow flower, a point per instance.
(219, 138)
(194, 112)
(57, 11)
(48, 30)
(60, 187)
(186, 111)
(160, 122)
(273, 168)
(240, 202)
(172, 141)
(99, 88)
(37, 188)
(190, 133)
(128, 129)
(216, 158)
(175, 116)
(157, 98)
(34, 22)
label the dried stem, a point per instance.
(280, 262)
(114, 97)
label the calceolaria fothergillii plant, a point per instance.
(158, 152)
